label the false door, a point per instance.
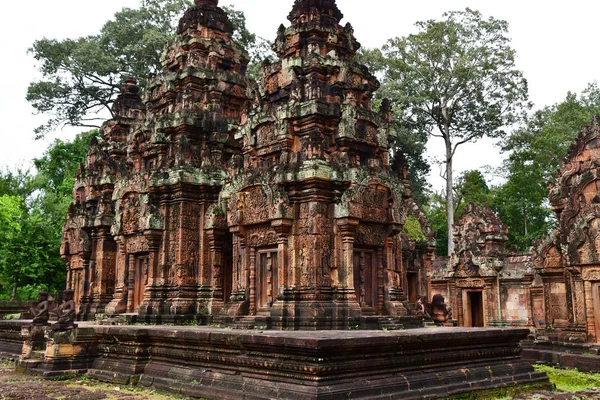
(266, 279)
(365, 278)
(140, 280)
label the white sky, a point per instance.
(556, 43)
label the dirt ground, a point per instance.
(25, 387)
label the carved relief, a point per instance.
(371, 235)
(254, 205)
(130, 214)
(261, 237)
(591, 275)
(470, 283)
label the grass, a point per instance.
(505, 393)
(570, 380)
(119, 390)
(565, 380)
(11, 316)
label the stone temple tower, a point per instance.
(217, 198)
(312, 203)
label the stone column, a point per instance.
(347, 228)
(380, 285)
(130, 281)
(216, 238)
(252, 283)
(282, 227)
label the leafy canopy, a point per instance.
(32, 213)
(536, 151)
(457, 75)
(82, 77)
(455, 79)
(410, 145)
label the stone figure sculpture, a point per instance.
(419, 308)
(40, 311)
(440, 312)
(66, 312)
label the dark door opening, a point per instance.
(365, 278)
(413, 286)
(266, 276)
(476, 309)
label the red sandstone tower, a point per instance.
(270, 202)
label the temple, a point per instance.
(568, 260)
(216, 198)
(271, 206)
(485, 284)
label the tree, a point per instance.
(57, 167)
(32, 213)
(455, 79)
(82, 77)
(470, 187)
(410, 145)
(536, 151)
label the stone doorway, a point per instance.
(596, 308)
(365, 278)
(140, 280)
(473, 311)
(413, 286)
(266, 279)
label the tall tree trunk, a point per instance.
(15, 285)
(449, 195)
(525, 220)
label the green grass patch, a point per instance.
(504, 393)
(570, 380)
(6, 364)
(11, 316)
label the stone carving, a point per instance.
(440, 312)
(574, 247)
(204, 170)
(41, 310)
(591, 275)
(66, 312)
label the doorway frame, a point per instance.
(466, 309)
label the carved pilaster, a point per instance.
(282, 227)
(347, 229)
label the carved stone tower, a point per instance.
(312, 204)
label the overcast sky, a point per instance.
(556, 44)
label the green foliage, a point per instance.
(412, 229)
(570, 380)
(81, 77)
(536, 151)
(455, 79)
(470, 187)
(435, 210)
(32, 212)
(458, 73)
(57, 167)
(411, 145)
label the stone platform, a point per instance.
(226, 364)
(583, 356)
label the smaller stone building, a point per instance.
(568, 261)
(484, 285)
